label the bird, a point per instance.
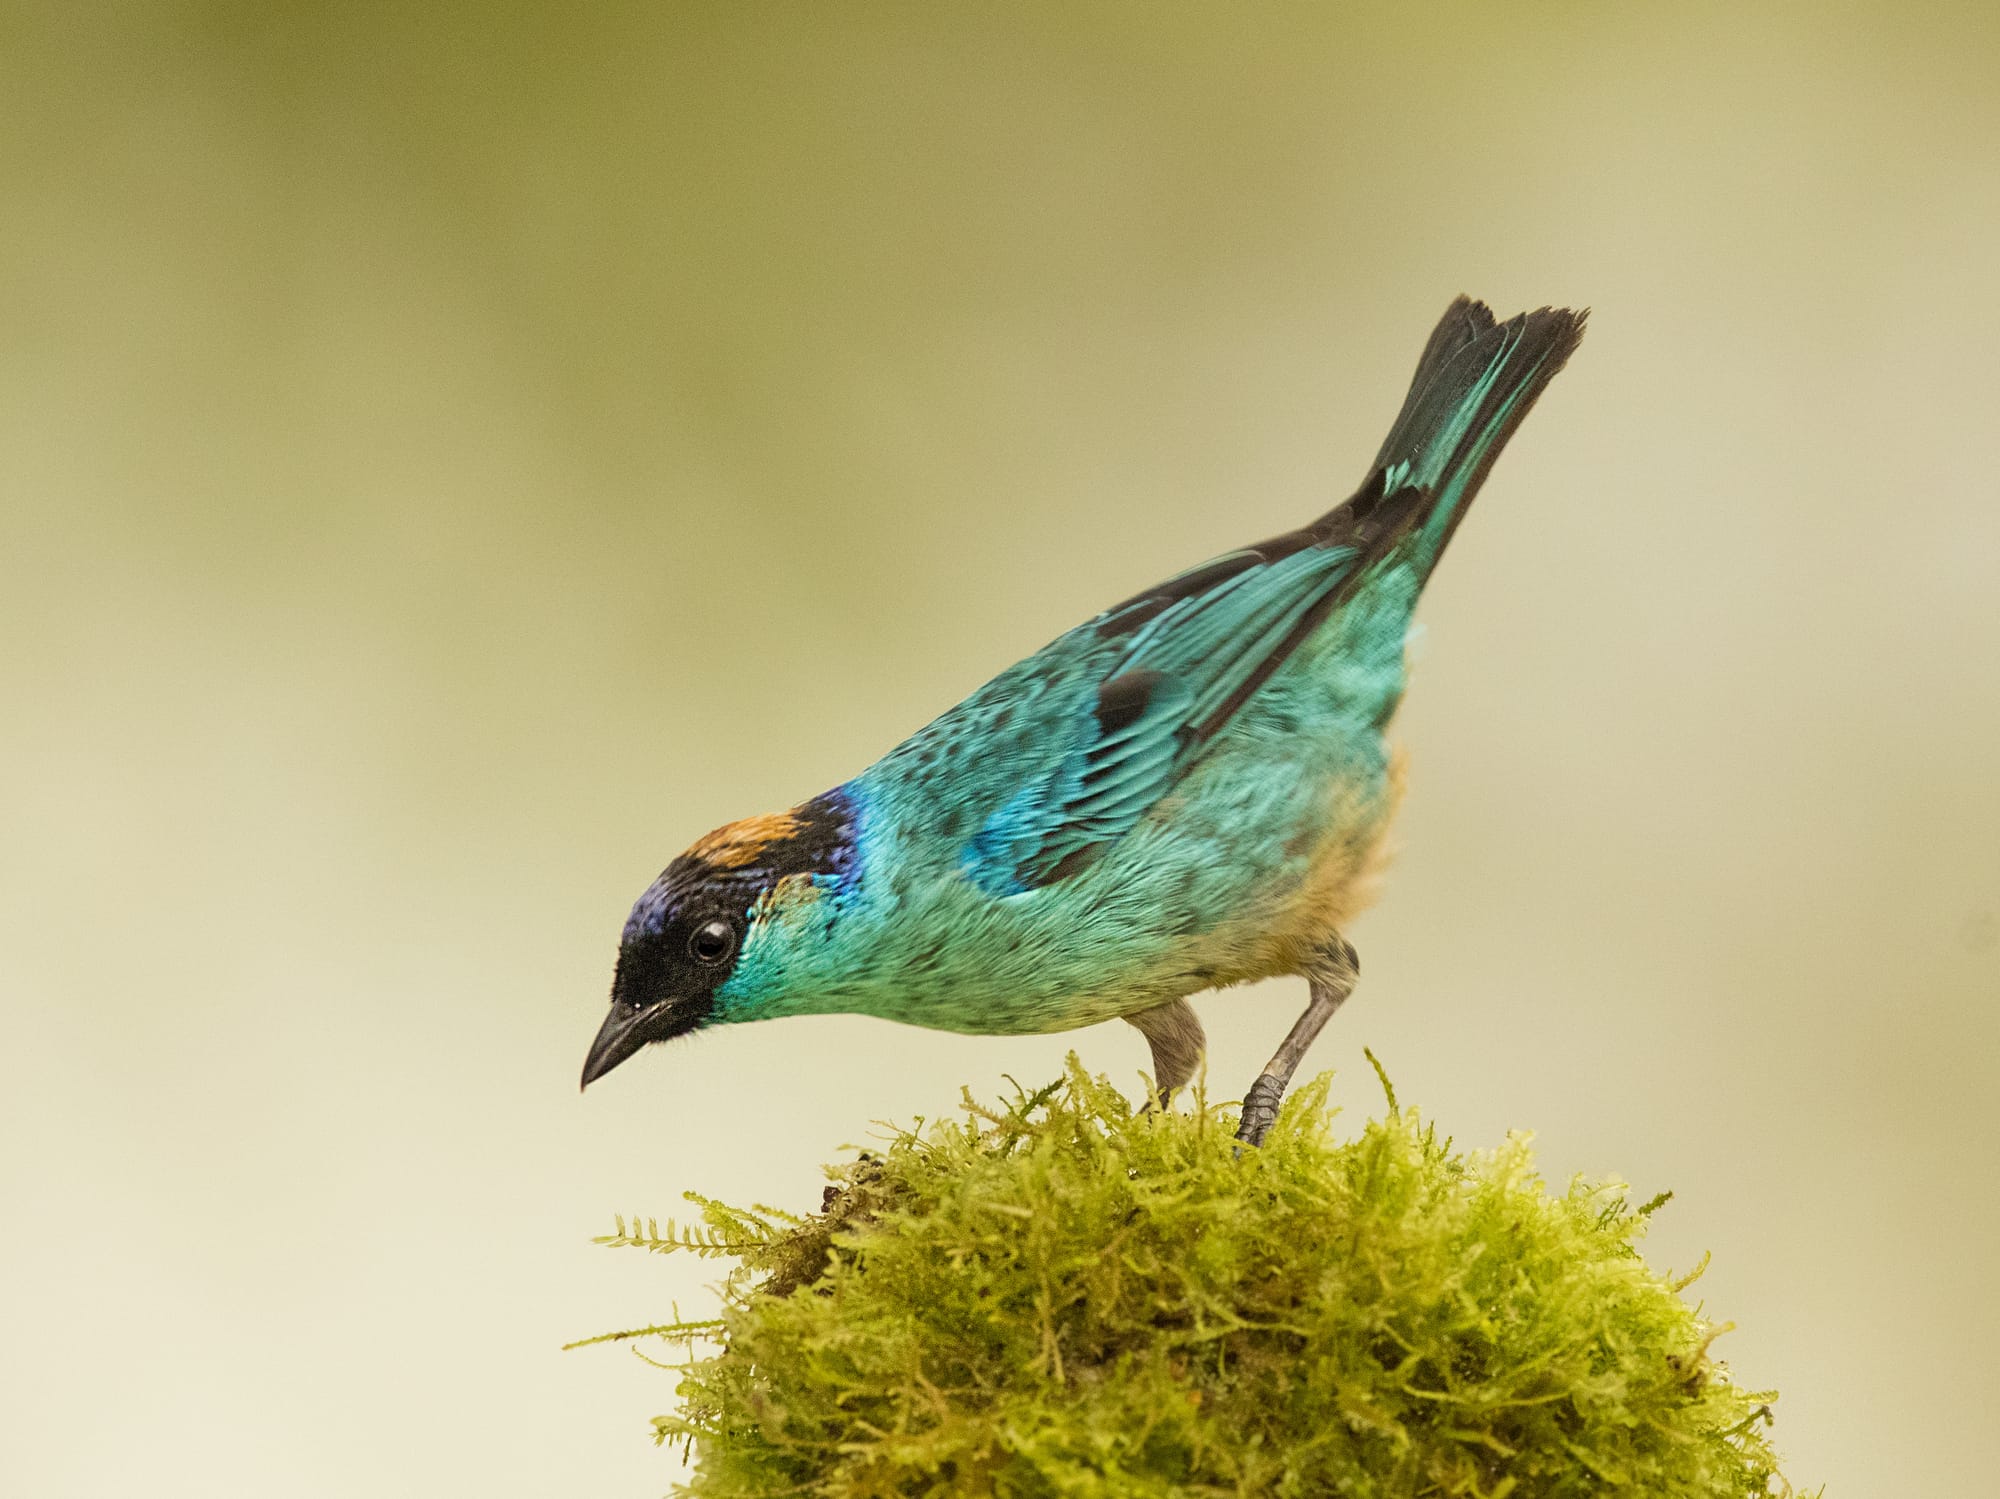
(1189, 791)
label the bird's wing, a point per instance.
(1171, 665)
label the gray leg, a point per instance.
(1329, 984)
(1177, 1041)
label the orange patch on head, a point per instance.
(740, 843)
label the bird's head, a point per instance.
(702, 927)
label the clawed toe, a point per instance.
(1260, 1110)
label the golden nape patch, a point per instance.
(740, 843)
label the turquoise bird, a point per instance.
(1191, 790)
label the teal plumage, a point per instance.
(1190, 790)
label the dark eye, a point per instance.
(712, 942)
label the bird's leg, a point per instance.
(1174, 1032)
(1329, 982)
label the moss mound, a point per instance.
(1064, 1297)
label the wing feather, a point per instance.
(1172, 665)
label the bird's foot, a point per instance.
(1329, 983)
(1260, 1109)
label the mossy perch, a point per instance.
(1066, 1297)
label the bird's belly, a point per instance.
(1345, 869)
(1230, 881)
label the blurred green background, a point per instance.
(451, 456)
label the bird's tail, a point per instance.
(1475, 382)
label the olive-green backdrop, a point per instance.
(450, 456)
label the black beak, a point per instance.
(624, 1032)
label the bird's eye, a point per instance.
(712, 942)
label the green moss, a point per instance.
(1067, 1298)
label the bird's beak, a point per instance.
(625, 1031)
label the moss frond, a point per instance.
(723, 1231)
(1060, 1296)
